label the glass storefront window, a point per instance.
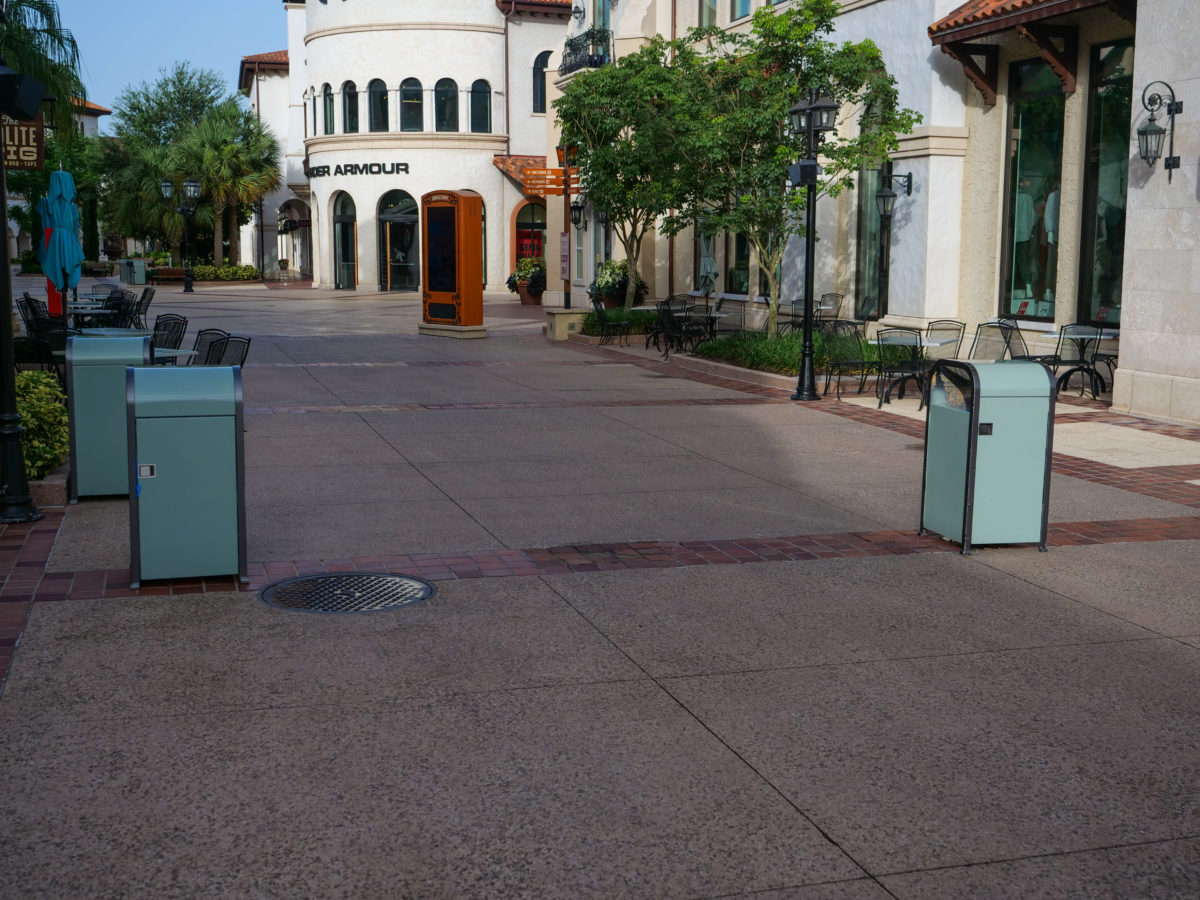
(737, 264)
(345, 239)
(708, 13)
(1105, 181)
(739, 9)
(445, 105)
(481, 107)
(866, 264)
(399, 225)
(1034, 174)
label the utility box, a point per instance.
(186, 477)
(988, 441)
(96, 408)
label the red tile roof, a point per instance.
(275, 56)
(514, 166)
(88, 108)
(558, 9)
(978, 17)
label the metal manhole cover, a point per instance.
(351, 592)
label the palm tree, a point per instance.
(236, 159)
(34, 42)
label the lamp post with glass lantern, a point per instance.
(191, 197)
(811, 118)
(566, 159)
(885, 201)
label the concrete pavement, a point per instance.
(685, 643)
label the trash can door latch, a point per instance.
(985, 427)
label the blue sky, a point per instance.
(126, 42)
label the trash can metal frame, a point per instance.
(239, 475)
(971, 371)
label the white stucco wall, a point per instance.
(369, 39)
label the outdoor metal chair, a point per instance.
(829, 307)
(168, 335)
(1077, 345)
(678, 334)
(142, 308)
(610, 328)
(35, 354)
(843, 343)
(204, 339)
(228, 351)
(899, 361)
(990, 342)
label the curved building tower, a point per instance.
(398, 99)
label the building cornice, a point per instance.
(405, 140)
(933, 140)
(402, 26)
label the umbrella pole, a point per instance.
(16, 504)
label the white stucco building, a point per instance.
(377, 103)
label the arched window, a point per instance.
(345, 251)
(445, 105)
(399, 228)
(412, 116)
(531, 230)
(539, 81)
(327, 96)
(312, 92)
(377, 112)
(481, 107)
(349, 108)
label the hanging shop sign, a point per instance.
(24, 143)
(371, 168)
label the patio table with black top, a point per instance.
(1082, 336)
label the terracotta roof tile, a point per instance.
(88, 108)
(279, 57)
(980, 16)
(514, 166)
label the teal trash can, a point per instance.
(186, 481)
(138, 272)
(988, 441)
(99, 453)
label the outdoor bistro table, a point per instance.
(1082, 336)
(170, 353)
(916, 343)
(115, 332)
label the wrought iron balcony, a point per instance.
(589, 50)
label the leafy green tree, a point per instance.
(741, 87)
(627, 120)
(157, 114)
(236, 159)
(34, 42)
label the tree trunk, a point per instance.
(218, 236)
(235, 239)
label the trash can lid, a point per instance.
(183, 392)
(110, 351)
(1013, 378)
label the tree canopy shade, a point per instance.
(34, 42)
(741, 86)
(236, 159)
(156, 114)
(627, 120)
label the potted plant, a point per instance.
(528, 280)
(612, 282)
(283, 264)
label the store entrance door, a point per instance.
(399, 260)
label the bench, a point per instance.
(92, 269)
(163, 273)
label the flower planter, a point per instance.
(527, 299)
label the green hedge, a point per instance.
(225, 273)
(640, 321)
(45, 438)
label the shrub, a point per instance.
(612, 281)
(45, 439)
(30, 264)
(640, 321)
(754, 350)
(531, 269)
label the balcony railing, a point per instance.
(589, 50)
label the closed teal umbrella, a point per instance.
(61, 253)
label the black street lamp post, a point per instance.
(191, 197)
(812, 119)
(20, 97)
(885, 201)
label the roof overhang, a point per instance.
(979, 18)
(551, 9)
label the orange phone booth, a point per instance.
(452, 263)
